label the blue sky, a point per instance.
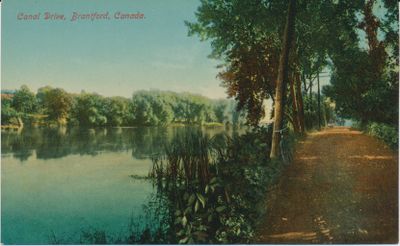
(111, 57)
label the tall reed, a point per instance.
(187, 159)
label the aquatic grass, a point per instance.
(187, 159)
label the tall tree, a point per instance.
(363, 84)
(282, 78)
(299, 100)
(89, 110)
(57, 104)
(24, 100)
(295, 113)
(319, 101)
(246, 36)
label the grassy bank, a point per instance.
(385, 132)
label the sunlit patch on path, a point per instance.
(295, 235)
(336, 131)
(341, 188)
(309, 158)
(371, 157)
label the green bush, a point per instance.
(215, 186)
(387, 133)
(8, 116)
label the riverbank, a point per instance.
(53, 125)
(16, 127)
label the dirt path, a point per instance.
(341, 188)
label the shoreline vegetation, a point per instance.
(55, 107)
(206, 190)
(206, 124)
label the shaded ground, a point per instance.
(341, 188)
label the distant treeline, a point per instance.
(55, 106)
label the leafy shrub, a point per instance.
(9, 116)
(8, 113)
(213, 185)
(387, 133)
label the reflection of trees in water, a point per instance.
(52, 143)
(148, 141)
(23, 154)
(19, 144)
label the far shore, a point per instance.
(208, 124)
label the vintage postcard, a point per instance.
(199, 122)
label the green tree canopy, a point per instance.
(56, 102)
(24, 100)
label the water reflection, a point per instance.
(61, 142)
(73, 178)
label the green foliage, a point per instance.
(116, 110)
(56, 103)
(8, 113)
(220, 108)
(365, 79)
(213, 185)
(389, 134)
(41, 94)
(245, 35)
(88, 110)
(327, 114)
(358, 94)
(161, 108)
(146, 108)
(24, 101)
(151, 108)
(310, 112)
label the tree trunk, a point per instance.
(310, 118)
(310, 86)
(295, 116)
(300, 106)
(319, 104)
(289, 117)
(304, 79)
(281, 80)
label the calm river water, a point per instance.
(56, 183)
